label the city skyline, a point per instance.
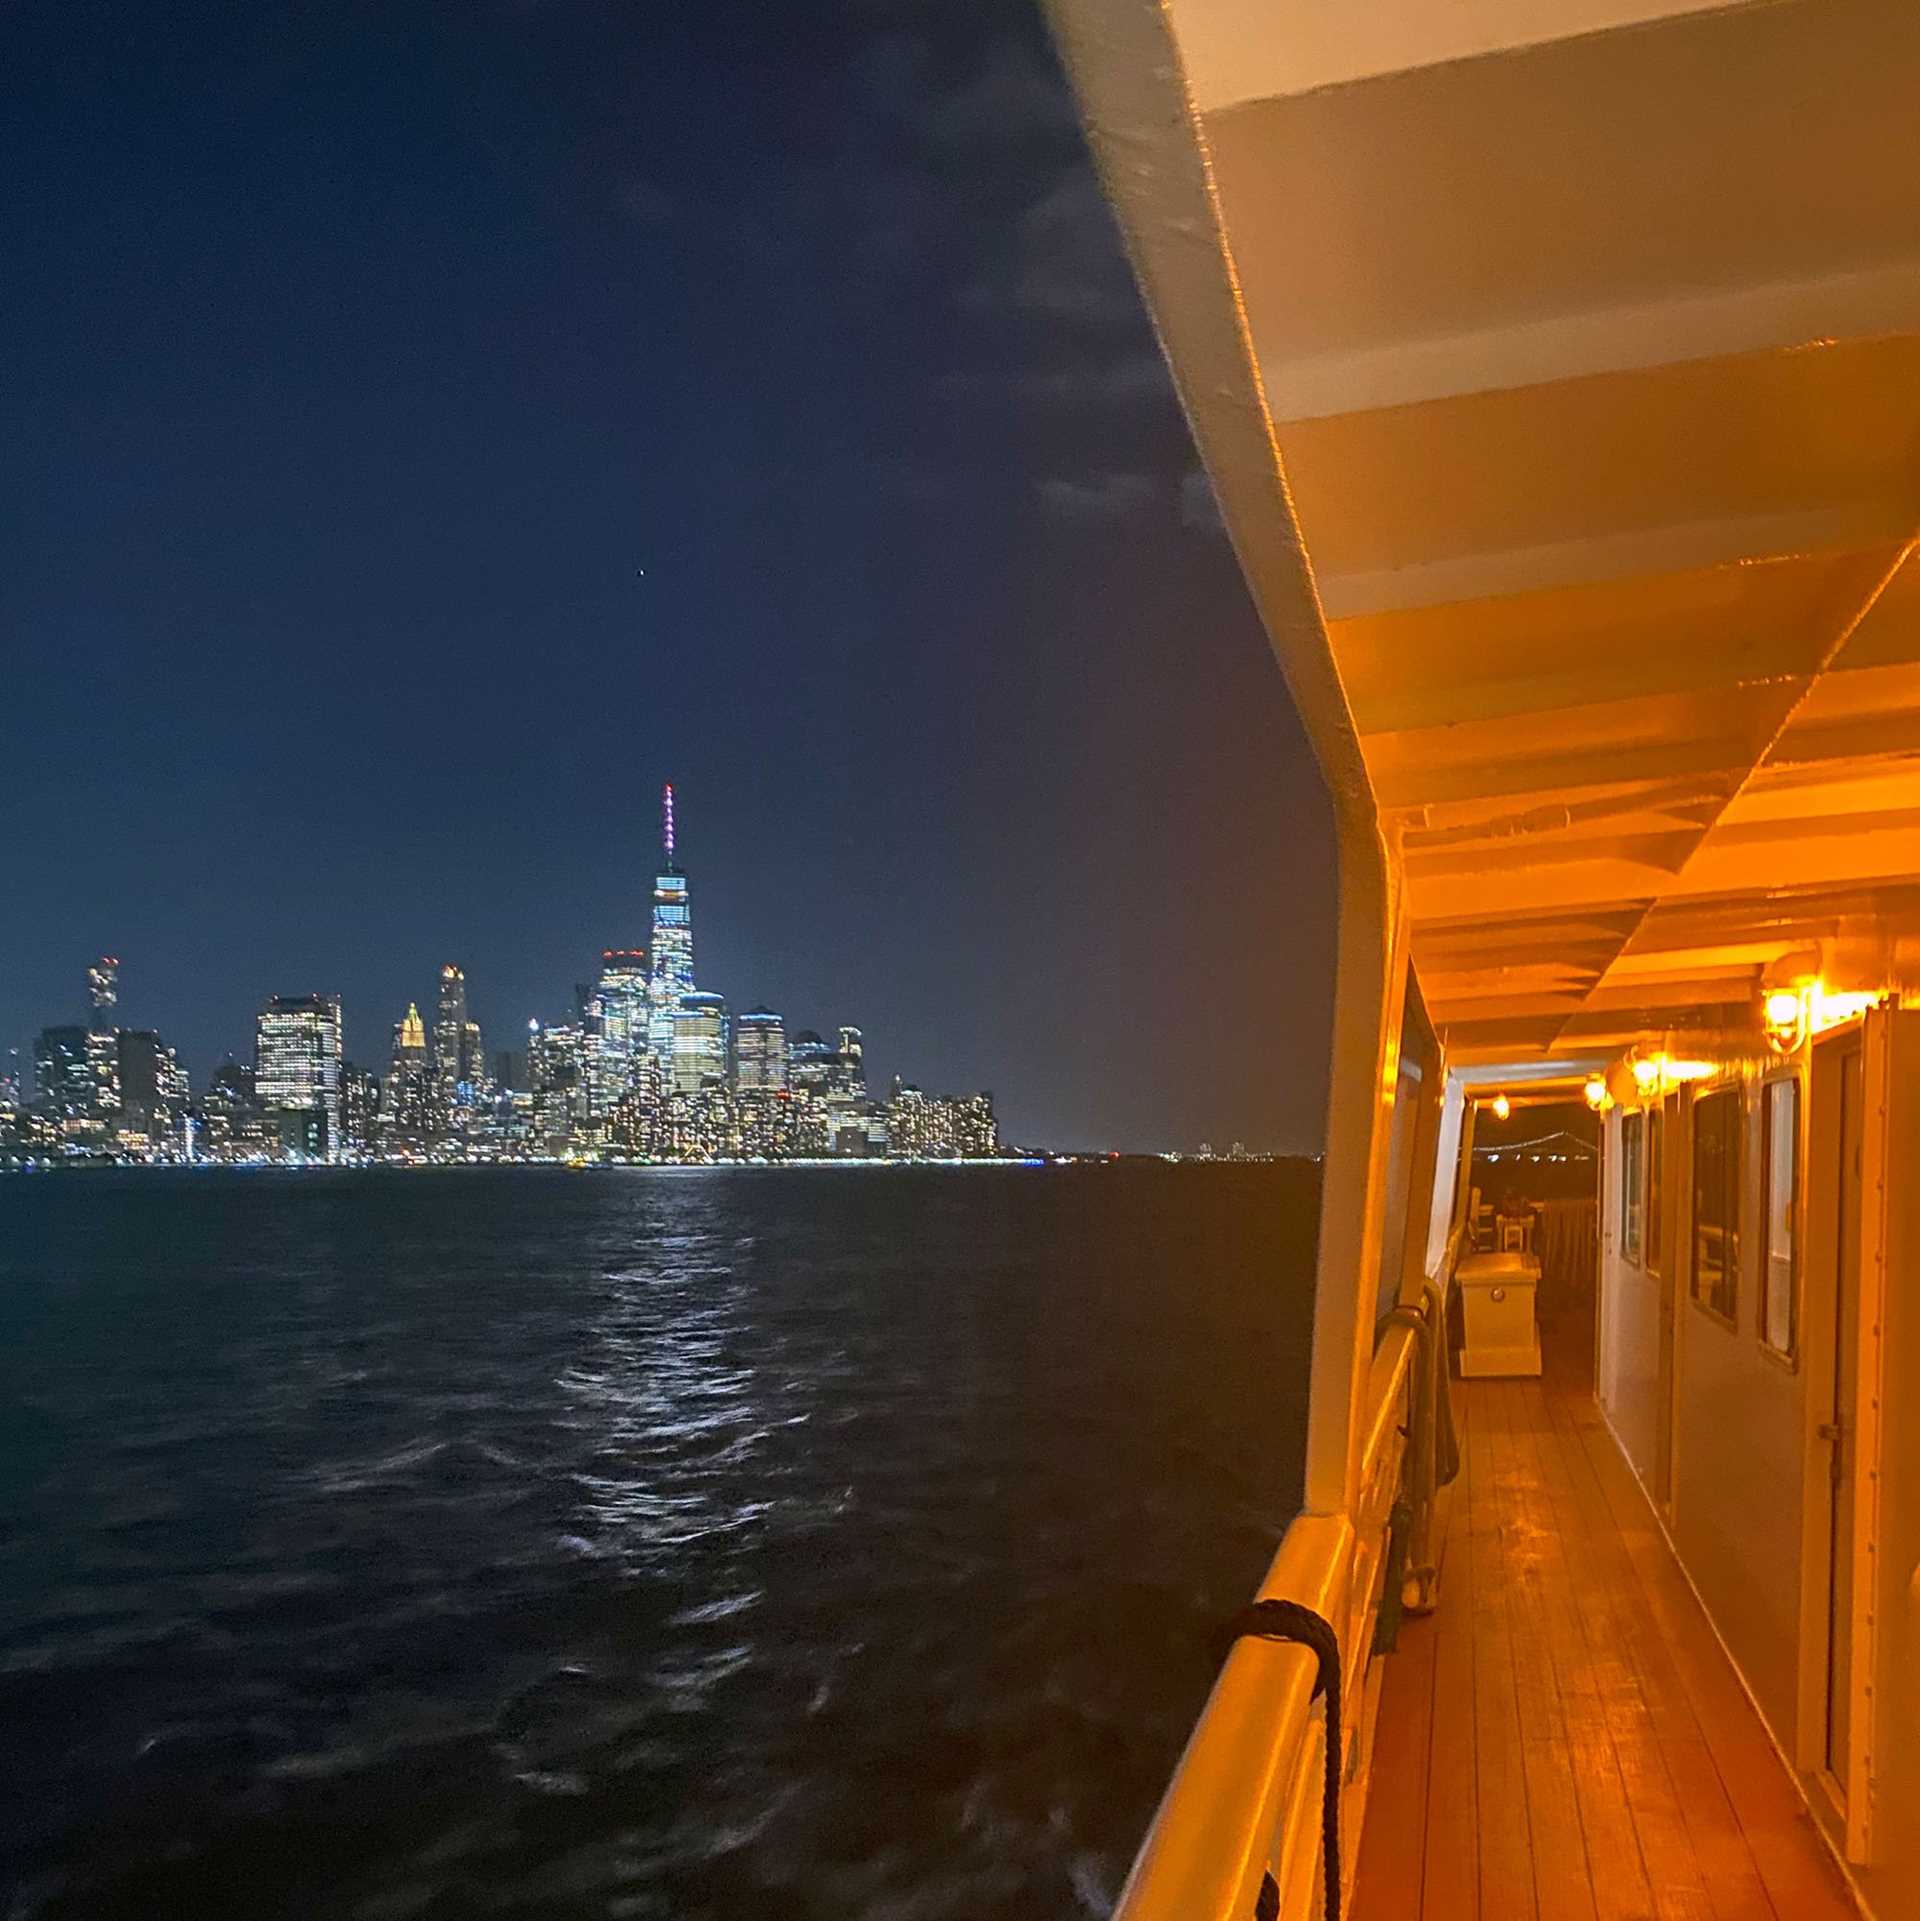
(648, 1069)
(665, 965)
(397, 493)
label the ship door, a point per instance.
(1838, 1430)
(1663, 1262)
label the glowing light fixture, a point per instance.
(1502, 1107)
(1596, 1093)
(1783, 1008)
(1790, 1014)
(1661, 1073)
(1784, 1014)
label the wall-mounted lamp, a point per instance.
(1596, 1093)
(1661, 1073)
(1784, 1014)
(1502, 1107)
(1790, 1014)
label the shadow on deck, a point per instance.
(1564, 1737)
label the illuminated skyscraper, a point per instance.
(77, 1069)
(103, 993)
(617, 1027)
(760, 1047)
(920, 1126)
(809, 1063)
(296, 1070)
(700, 1043)
(408, 1108)
(975, 1129)
(555, 1073)
(153, 1084)
(228, 1110)
(103, 1056)
(359, 1109)
(853, 1068)
(103, 1047)
(456, 1045)
(910, 1122)
(63, 1073)
(672, 978)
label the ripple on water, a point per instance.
(683, 1546)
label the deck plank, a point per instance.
(1500, 1783)
(1694, 1847)
(1535, 1577)
(1566, 1725)
(1390, 1872)
(1618, 1881)
(1450, 1870)
(1793, 1864)
(1610, 1633)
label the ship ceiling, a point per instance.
(1590, 336)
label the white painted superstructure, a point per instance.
(1557, 370)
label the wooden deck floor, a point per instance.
(1564, 1736)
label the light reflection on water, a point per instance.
(652, 1545)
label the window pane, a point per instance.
(1782, 1134)
(1419, 1057)
(1631, 1129)
(1656, 1132)
(1716, 1200)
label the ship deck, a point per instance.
(1564, 1737)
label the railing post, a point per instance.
(1369, 1002)
(1419, 1592)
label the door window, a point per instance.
(1716, 1200)
(1656, 1148)
(1780, 1214)
(1632, 1133)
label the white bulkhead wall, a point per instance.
(1890, 1873)
(1731, 1490)
(1627, 1347)
(1737, 1446)
(1744, 1508)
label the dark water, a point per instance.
(777, 1543)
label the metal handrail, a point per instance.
(1245, 1799)
(1250, 1756)
(1420, 1591)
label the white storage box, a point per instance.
(1497, 1306)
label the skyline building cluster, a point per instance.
(651, 1068)
(96, 1080)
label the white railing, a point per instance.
(1246, 1798)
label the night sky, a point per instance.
(357, 359)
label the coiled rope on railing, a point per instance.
(1293, 1621)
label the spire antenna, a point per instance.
(666, 810)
